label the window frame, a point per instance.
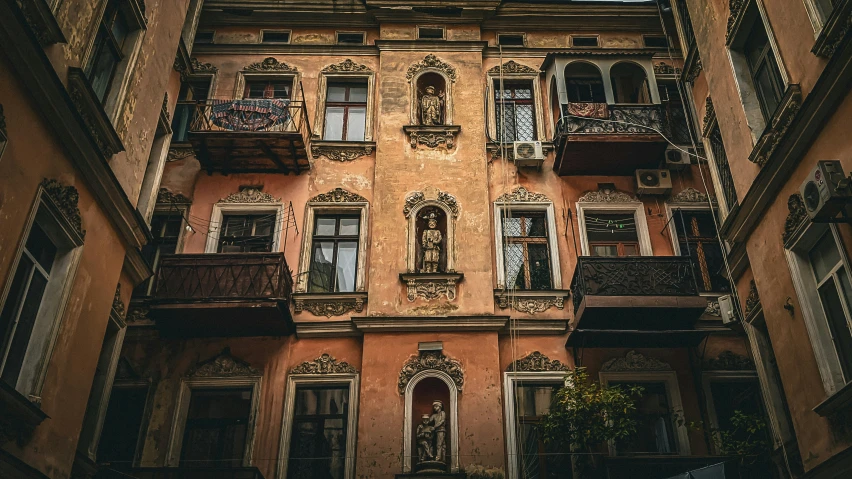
(211, 79)
(523, 36)
(492, 108)
(275, 30)
(187, 385)
(336, 238)
(596, 37)
(163, 210)
(144, 383)
(818, 20)
(220, 209)
(245, 77)
(525, 241)
(430, 27)
(637, 208)
(252, 222)
(707, 378)
(350, 380)
(338, 33)
(346, 105)
(552, 242)
(715, 174)
(326, 77)
(671, 209)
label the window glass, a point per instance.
(268, 89)
(655, 431)
(732, 396)
(166, 229)
(514, 111)
(764, 70)
(536, 458)
(122, 426)
(526, 250)
(357, 124)
(318, 440)
(346, 111)
(216, 428)
(334, 259)
(247, 233)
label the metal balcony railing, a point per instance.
(251, 116)
(619, 119)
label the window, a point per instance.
(820, 11)
(511, 39)
(353, 38)
(728, 393)
(655, 41)
(123, 425)
(835, 294)
(247, 233)
(346, 111)
(723, 170)
(334, 254)
(527, 251)
(166, 229)
(279, 89)
(216, 428)
(515, 111)
(203, 37)
(274, 36)
(536, 459)
(655, 417)
(191, 92)
(584, 83)
(696, 237)
(579, 41)
(763, 67)
(612, 234)
(19, 314)
(629, 83)
(770, 378)
(109, 50)
(318, 441)
(430, 33)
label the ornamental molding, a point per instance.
(522, 195)
(434, 361)
(709, 116)
(223, 365)
(432, 136)
(66, 199)
(694, 69)
(269, 64)
(338, 195)
(341, 152)
(176, 154)
(735, 14)
(634, 361)
(753, 299)
(431, 62)
(713, 308)
(536, 362)
(138, 315)
(529, 303)
(512, 67)
(200, 67)
(413, 200)
(729, 361)
(606, 195)
(796, 216)
(250, 195)
(834, 31)
(663, 68)
(328, 306)
(776, 131)
(117, 303)
(166, 196)
(690, 195)
(325, 364)
(430, 287)
(347, 66)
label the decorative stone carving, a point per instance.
(414, 199)
(176, 154)
(606, 195)
(689, 195)
(694, 69)
(66, 199)
(735, 12)
(431, 107)
(430, 360)
(431, 286)
(199, 67)
(833, 31)
(663, 68)
(341, 152)
(250, 195)
(431, 62)
(531, 304)
(709, 116)
(753, 299)
(512, 67)
(634, 361)
(431, 242)
(329, 307)
(223, 365)
(535, 362)
(796, 216)
(166, 196)
(522, 195)
(781, 121)
(713, 308)
(165, 107)
(42, 21)
(346, 66)
(138, 315)
(117, 303)
(338, 195)
(325, 364)
(91, 110)
(729, 361)
(432, 136)
(269, 64)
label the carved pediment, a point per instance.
(413, 200)
(522, 195)
(689, 195)
(346, 66)
(325, 364)
(795, 217)
(729, 361)
(223, 365)
(606, 195)
(775, 132)
(199, 67)
(431, 62)
(166, 196)
(634, 361)
(430, 360)
(534, 362)
(250, 195)
(512, 67)
(269, 64)
(66, 199)
(338, 195)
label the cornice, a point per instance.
(325, 329)
(430, 46)
(432, 323)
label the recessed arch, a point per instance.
(419, 80)
(630, 83)
(584, 83)
(453, 413)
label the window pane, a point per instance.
(336, 93)
(631, 250)
(23, 331)
(535, 226)
(824, 256)
(539, 266)
(122, 425)
(13, 301)
(525, 121)
(40, 246)
(349, 226)
(347, 255)
(356, 123)
(535, 400)
(604, 250)
(514, 266)
(333, 123)
(216, 428)
(654, 432)
(103, 67)
(321, 401)
(318, 444)
(732, 396)
(321, 274)
(325, 226)
(120, 30)
(506, 121)
(838, 325)
(511, 226)
(263, 226)
(358, 94)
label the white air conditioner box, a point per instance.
(825, 191)
(677, 159)
(528, 153)
(653, 182)
(728, 310)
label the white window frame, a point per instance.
(709, 377)
(322, 92)
(504, 209)
(675, 403)
(724, 208)
(334, 379)
(187, 385)
(314, 209)
(637, 208)
(828, 361)
(510, 381)
(817, 20)
(220, 209)
(493, 108)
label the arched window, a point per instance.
(584, 83)
(629, 83)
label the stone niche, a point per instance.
(431, 113)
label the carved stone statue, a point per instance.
(431, 107)
(438, 421)
(424, 440)
(431, 243)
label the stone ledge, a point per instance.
(432, 136)
(329, 304)
(20, 416)
(531, 301)
(342, 150)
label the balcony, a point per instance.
(609, 139)
(251, 136)
(179, 473)
(222, 294)
(649, 301)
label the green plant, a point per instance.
(476, 471)
(746, 436)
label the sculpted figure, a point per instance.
(431, 107)
(439, 427)
(431, 243)
(424, 439)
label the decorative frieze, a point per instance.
(430, 360)
(269, 64)
(329, 305)
(531, 301)
(200, 67)
(42, 21)
(663, 68)
(796, 216)
(167, 197)
(729, 361)
(347, 66)
(325, 364)
(341, 151)
(512, 67)
(522, 195)
(338, 195)
(753, 299)
(117, 303)
(607, 195)
(633, 362)
(415, 199)
(776, 131)
(536, 362)
(431, 62)
(223, 365)
(250, 194)
(431, 286)
(432, 136)
(66, 199)
(689, 195)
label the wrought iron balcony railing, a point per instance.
(251, 115)
(618, 119)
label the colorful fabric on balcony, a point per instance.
(250, 114)
(589, 110)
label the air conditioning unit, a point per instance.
(826, 191)
(677, 159)
(653, 182)
(728, 310)
(528, 153)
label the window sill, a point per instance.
(833, 31)
(532, 301)
(20, 416)
(329, 304)
(42, 22)
(432, 136)
(342, 150)
(838, 401)
(92, 112)
(781, 120)
(431, 286)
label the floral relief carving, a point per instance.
(117, 303)
(432, 136)
(338, 195)
(250, 195)
(690, 195)
(166, 196)
(431, 289)
(430, 360)
(663, 68)
(634, 361)
(138, 315)
(346, 66)
(729, 361)
(341, 152)
(200, 67)
(66, 199)
(606, 195)
(522, 195)
(795, 217)
(269, 64)
(414, 199)
(535, 362)
(531, 304)
(753, 299)
(329, 307)
(325, 364)
(512, 67)
(431, 62)
(223, 365)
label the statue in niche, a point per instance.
(431, 243)
(438, 422)
(431, 107)
(424, 439)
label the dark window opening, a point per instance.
(247, 233)
(203, 37)
(656, 41)
(696, 237)
(763, 67)
(629, 83)
(334, 254)
(726, 181)
(527, 251)
(166, 230)
(584, 83)
(430, 33)
(122, 426)
(279, 89)
(612, 234)
(537, 459)
(508, 40)
(730, 396)
(216, 428)
(584, 41)
(346, 111)
(351, 38)
(515, 111)
(272, 36)
(318, 440)
(108, 50)
(191, 92)
(655, 430)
